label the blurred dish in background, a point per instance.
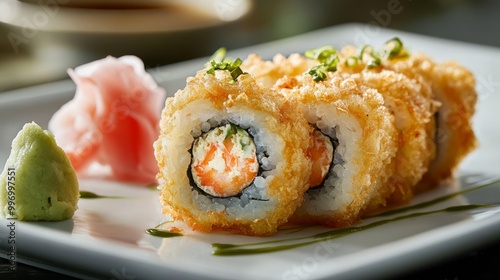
(45, 37)
(127, 16)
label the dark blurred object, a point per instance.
(162, 32)
(472, 21)
(42, 38)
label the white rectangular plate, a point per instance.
(106, 238)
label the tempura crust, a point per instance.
(453, 86)
(403, 127)
(455, 89)
(409, 99)
(413, 113)
(206, 92)
(268, 72)
(368, 153)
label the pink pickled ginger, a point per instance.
(113, 119)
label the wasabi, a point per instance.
(38, 181)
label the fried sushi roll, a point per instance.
(451, 85)
(232, 155)
(454, 87)
(408, 100)
(355, 140)
(414, 120)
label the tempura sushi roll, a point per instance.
(354, 143)
(448, 84)
(452, 86)
(409, 101)
(232, 155)
(414, 120)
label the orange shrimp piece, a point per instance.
(321, 155)
(225, 169)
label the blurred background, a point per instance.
(40, 39)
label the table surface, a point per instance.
(474, 22)
(479, 264)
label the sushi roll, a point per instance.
(355, 140)
(409, 101)
(452, 87)
(414, 120)
(232, 155)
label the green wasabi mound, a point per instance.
(38, 181)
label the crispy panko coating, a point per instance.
(414, 118)
(206, 96)
(433, 104)
(452, 87)
(367, 145)
(268, 72)
(397, 128)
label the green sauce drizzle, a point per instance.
(152, 186)
(474, 187)
(162, 233)
(221, 249)
(258, 248)
(91, 195)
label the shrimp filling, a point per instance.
(321, 153)
(224, 161)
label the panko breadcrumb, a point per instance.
(367, 144)
(283, 131)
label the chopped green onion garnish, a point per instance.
(331, 63)
(374, 58)
(327, 56)
(351, 61)
(321, 54)
(374, 62)
(318, 72)
(366, 49)
(394, 48)
(219, 55)
(218, 61)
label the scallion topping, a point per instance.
(321, 54)
(367, 49)
(327, 56)
(394, 48)
(373, 58)
(219, 55)
(318, 72)
(219, 61)
(351, 61)
(373, 62)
